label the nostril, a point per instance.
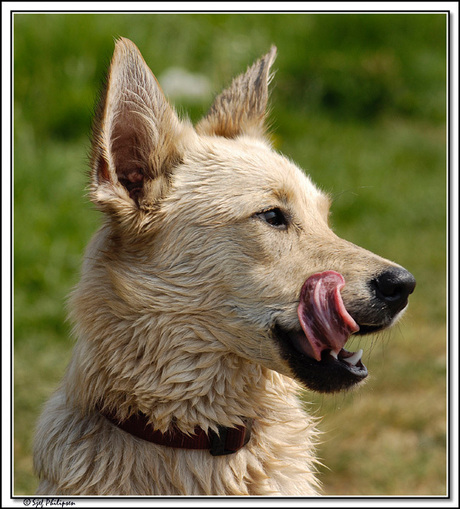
(394, 287)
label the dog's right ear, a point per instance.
(241, 108)
(135, 138)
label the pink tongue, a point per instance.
(322, 314)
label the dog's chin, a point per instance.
(333, 373)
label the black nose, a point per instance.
(394, 287)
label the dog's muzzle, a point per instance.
(315, 351)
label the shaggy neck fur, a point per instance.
(136, 364)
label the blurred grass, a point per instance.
(359, 101)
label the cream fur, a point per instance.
(177, 293)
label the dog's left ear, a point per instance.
(136, 138)
(241, 109)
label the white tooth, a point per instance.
(334, 354)
(355, 358)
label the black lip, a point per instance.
(327, 376)
(369, 329)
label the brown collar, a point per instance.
(226, 441)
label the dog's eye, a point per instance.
(274, 217)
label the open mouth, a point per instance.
(316, 352)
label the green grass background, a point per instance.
(359, 101)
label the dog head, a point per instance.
(211, 229)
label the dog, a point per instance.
(212, 294)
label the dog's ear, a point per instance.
(135, 137)
(241, 109)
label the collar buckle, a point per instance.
(229, 440)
